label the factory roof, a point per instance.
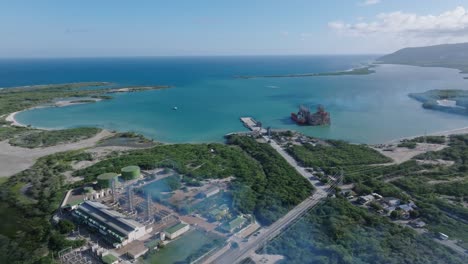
(109, 217)
(175, 228)
(237, 222)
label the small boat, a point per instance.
(175, 108)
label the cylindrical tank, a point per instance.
(105, 179)
(130, 172)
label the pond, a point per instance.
(187, 248)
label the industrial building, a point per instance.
(177, 230)
(115, 227)
(234, 224)
(75, 197)
(136, 249)
(210, 192)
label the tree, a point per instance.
(414, 214)
(57, 242)
(161, 244)
(65, 226)
(395, 214)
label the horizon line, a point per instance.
(179, 56)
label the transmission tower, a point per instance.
(114, 198)
(148, 206)
(130, 198)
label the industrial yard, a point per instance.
(147, 215)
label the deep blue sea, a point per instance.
(369, 109)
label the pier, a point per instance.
(253, 125)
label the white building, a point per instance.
(177, 230)
(115, 227)
(210, 192)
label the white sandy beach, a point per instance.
(456, 131)
(64, 103)
(11, 118)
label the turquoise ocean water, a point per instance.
(369, 109)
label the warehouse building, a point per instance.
(210, 192)
(177, 230)
(115, 227)
(234, 224)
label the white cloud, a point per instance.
(450, 26)
(369, 2)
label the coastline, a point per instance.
(455, 131)
(64, 103)
(11, 118)
(61, 103)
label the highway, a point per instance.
(245, 249)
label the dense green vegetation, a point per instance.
(337, 153)
(194, 160)
(280, 190)
(447, 55)
(407, 144)
(25, 231)
(440, 190)
(127, 139)
(7, 132)
(17, 99)
(20, 98)
(339, 232)
(457, 152)
(47, 138)
(33, 138)
(429, 139)
(358, 71)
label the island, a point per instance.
(357, 71)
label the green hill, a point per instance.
(447, 55)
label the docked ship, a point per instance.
(306, 118)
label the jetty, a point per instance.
(253, 125)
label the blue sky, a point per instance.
(90, 28)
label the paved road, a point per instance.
(245, 249)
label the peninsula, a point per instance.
(357, 71)
(16, 99)
(448, 56)
(452, 101)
